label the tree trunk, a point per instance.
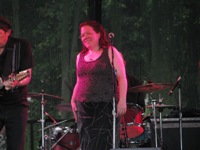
(162, 50)
(16, 25)
(68, 50)
(116, 23)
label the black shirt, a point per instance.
(23, 60)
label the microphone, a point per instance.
(175, 85)
(111, 35)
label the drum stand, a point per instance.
(53, 146)
(160, 109)
(49, 127)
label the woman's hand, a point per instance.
(121, 108)
(74, 109)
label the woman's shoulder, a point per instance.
(113, 50)
(80, 56)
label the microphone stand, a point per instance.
(180, 109)
(114, 121)
(114, 94)
(180, 119)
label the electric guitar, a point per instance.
(20, 76)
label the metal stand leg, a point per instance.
(153, 102)
(180, 120)
(180, 108)
(161, 128)
(160, 118)
(42, 121)
(114, 122)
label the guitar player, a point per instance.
(15, 72)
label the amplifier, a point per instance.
(171, 133)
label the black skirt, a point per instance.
(95, 125)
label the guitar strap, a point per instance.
(16, 58)
(11, 60)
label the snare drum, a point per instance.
(132, 122)
(69, 140)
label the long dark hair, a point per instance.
(98, 28)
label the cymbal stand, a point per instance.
(42, 147)
(161, 125)
(153, 103)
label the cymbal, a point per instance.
(162, 106)
(46, 96)
(64, 107)
(150, 87)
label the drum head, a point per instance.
(132, 122)
(134, 131)
(133, 114)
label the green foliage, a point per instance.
(159, 41)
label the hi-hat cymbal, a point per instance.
(64, 107)
(46, 96)
(150, 87)
(162, 106)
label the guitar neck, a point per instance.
(21, 75)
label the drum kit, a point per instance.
(132, 126)
(57, 137)
(134, 131)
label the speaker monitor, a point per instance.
(171, 134)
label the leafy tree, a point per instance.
(159, 41)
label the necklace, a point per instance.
(94, 56)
